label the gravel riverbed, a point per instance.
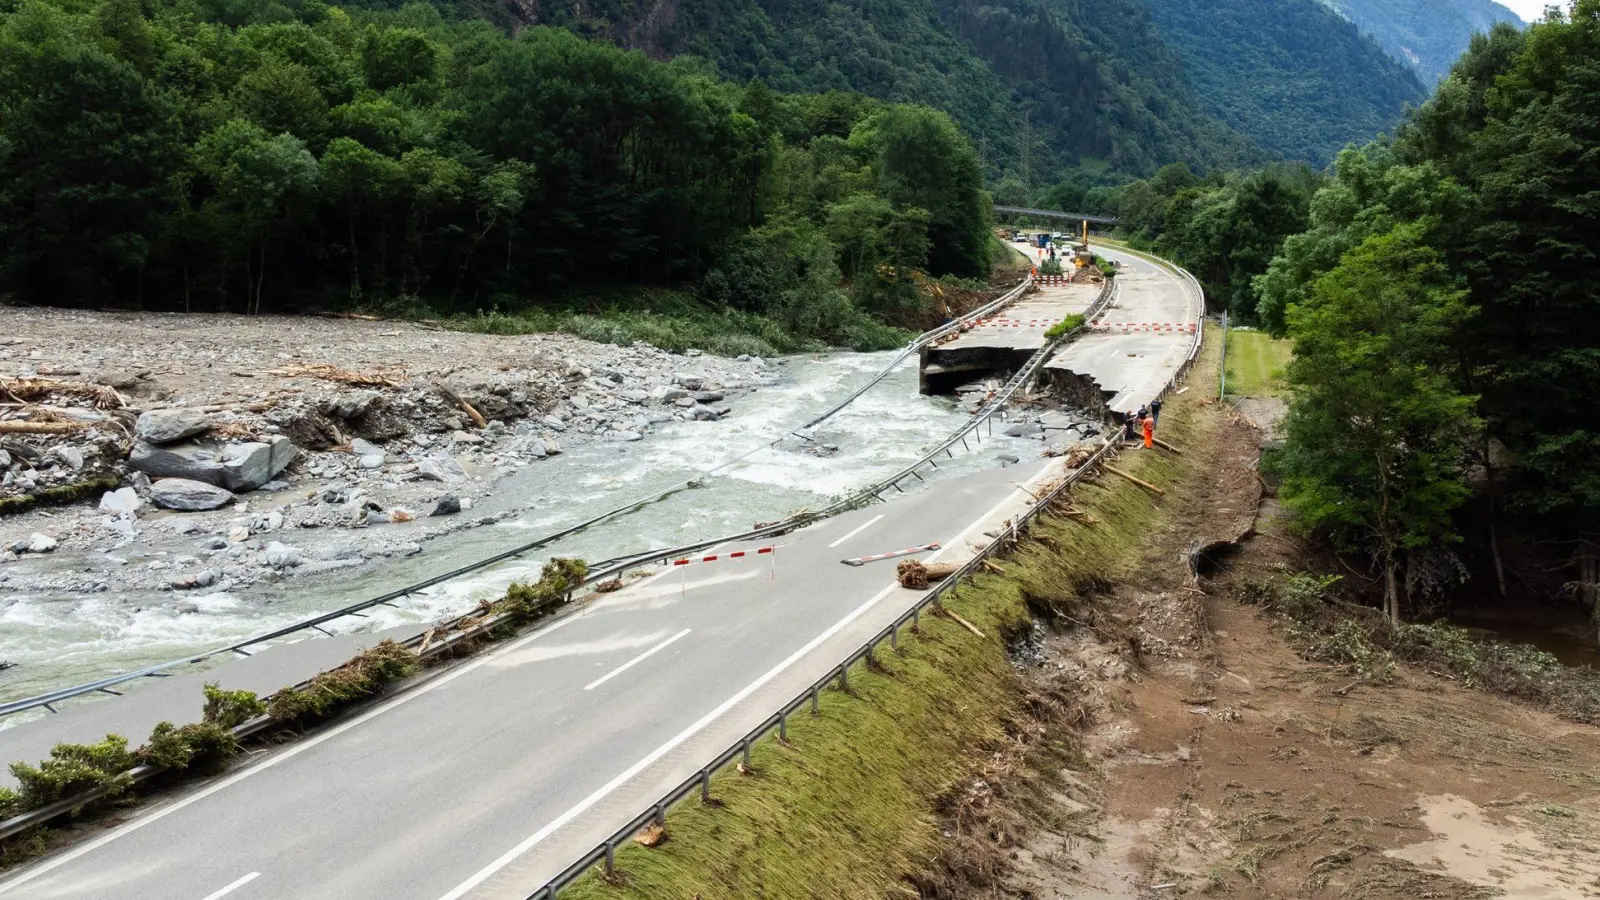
(304, 433)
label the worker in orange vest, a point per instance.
(1149, 425)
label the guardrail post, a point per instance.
(844, 677)
(783, 727)
(705, 785)
(815, 709)
(611, 857)
(894, 635)
(916, 619)
(747, 755)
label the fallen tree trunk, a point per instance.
(458, 400)
(41, 427)
(1139, 481)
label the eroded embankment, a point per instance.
(890, 789)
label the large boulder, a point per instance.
(236, 467)
(441, 467)
(163, 426)
(188, 495)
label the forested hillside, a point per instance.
(1039, 84)
(1428, 34)
(253, 156)
(1289, 73)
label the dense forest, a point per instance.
(1039, 84)
(1289, 73)
(1446, 317)
(1428, 34)
(251, 155)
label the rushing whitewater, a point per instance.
(56, 641)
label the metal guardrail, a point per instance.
(605, 852)
(106, 685)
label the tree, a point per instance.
(922, 161)
(1377, 432)
(259, 181)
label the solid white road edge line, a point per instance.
(269, 762)
(860, 528)
(633, 662)
(606, 789)
(234, 887)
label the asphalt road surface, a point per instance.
(486, 779)
(1132, 368)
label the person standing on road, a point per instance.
(1149, 425)
(1155, 411)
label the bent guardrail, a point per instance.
(604, 853)
(49, 699)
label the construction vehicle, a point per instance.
(1080, 253)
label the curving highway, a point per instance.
(484, 779)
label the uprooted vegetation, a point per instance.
(1329, 629)
(364, 675)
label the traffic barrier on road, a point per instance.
(863, 560)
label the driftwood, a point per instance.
(1165, 446)
(458, 400)
(37, 388)
(41, 427)
(963, 622)
(916, 574)
(334, 373)
(1139, 481)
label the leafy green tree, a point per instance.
(365, 182)
(922, 161)
(1377, 431)
(260, 182)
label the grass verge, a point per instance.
(1255, 363)
(851, 805)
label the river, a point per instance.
(56, 641)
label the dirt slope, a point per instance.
(1217, 761)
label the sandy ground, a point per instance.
(1217, 761)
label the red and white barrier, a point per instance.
(684, 564)
(863, 560)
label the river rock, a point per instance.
(188, 495)
(236, 467)
(282, 556)
(634, 395)
(1024, 429)
(163, 426)
(371, 461)
(538, 449)
(555, 422)
(70, 456)
(38, 542)
(364, 447)
(708, 396)
(626, 436)
(440, 467)
(689, 382)
(448, 505)
(121, 500)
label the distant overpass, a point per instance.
(1057, 214)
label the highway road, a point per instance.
(485, 779)
(1131, 354)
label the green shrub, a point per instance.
(10, 803)
(201, 747)
(230, 709)
(366, 673)
(74, 769)
(1064, 327)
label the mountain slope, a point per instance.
(1427, 34)
(1292, 74)
(1038, 84)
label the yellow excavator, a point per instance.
(1080, 253)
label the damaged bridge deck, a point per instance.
(1004, 342)
(1140, 340)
